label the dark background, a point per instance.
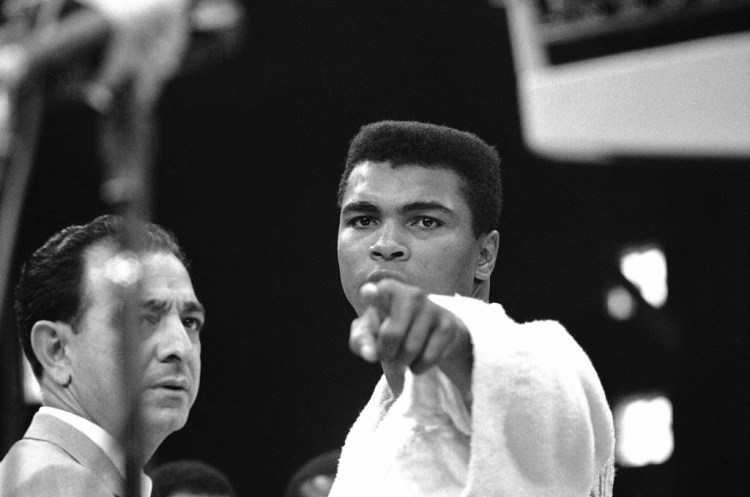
(249, 155)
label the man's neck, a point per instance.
(481, 291)
(56, 399)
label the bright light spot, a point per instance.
(620, 303)
(123, 269)
(32, 394)
(646, 268)
(643, 430)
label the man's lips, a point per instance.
(382, 274)
(173, 384)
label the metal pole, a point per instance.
(127, 138)
(20, 119)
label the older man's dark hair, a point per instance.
(429, 145)
(51, 284)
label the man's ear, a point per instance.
(50, 340)
(488, 246)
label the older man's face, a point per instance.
(167, 339)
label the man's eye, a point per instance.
(362, 221)
(149, 319)
(192, 324)
(428, 222)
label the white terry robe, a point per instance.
(539, 423)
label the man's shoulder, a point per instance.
(39, 467)
(476, 313)
(54, 458)
(457, 303)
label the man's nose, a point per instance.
(174, 341)
(390, 244)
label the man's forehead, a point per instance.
(410, 182)
(105, 266)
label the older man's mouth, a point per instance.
(175, 384)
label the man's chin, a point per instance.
(164, 420)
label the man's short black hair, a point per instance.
(429, 145)
(192, 476)
(51, 282)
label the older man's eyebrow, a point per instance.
(161, 306)
(157, 305)
(193, 306)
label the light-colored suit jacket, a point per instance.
(55, 459)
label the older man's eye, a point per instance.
(192, 324)
(149, 319)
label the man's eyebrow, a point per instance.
(193, 306)
(359, 206)
(160, 306)
(156, 305)
(425, 206)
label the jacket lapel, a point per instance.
(79, 447)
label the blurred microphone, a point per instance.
(76, 42)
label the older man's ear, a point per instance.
(49, 340)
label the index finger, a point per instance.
(373, 296)
(363, 335)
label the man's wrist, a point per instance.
(458, 368)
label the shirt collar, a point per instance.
(100, 437)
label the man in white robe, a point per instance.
(471, 403)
